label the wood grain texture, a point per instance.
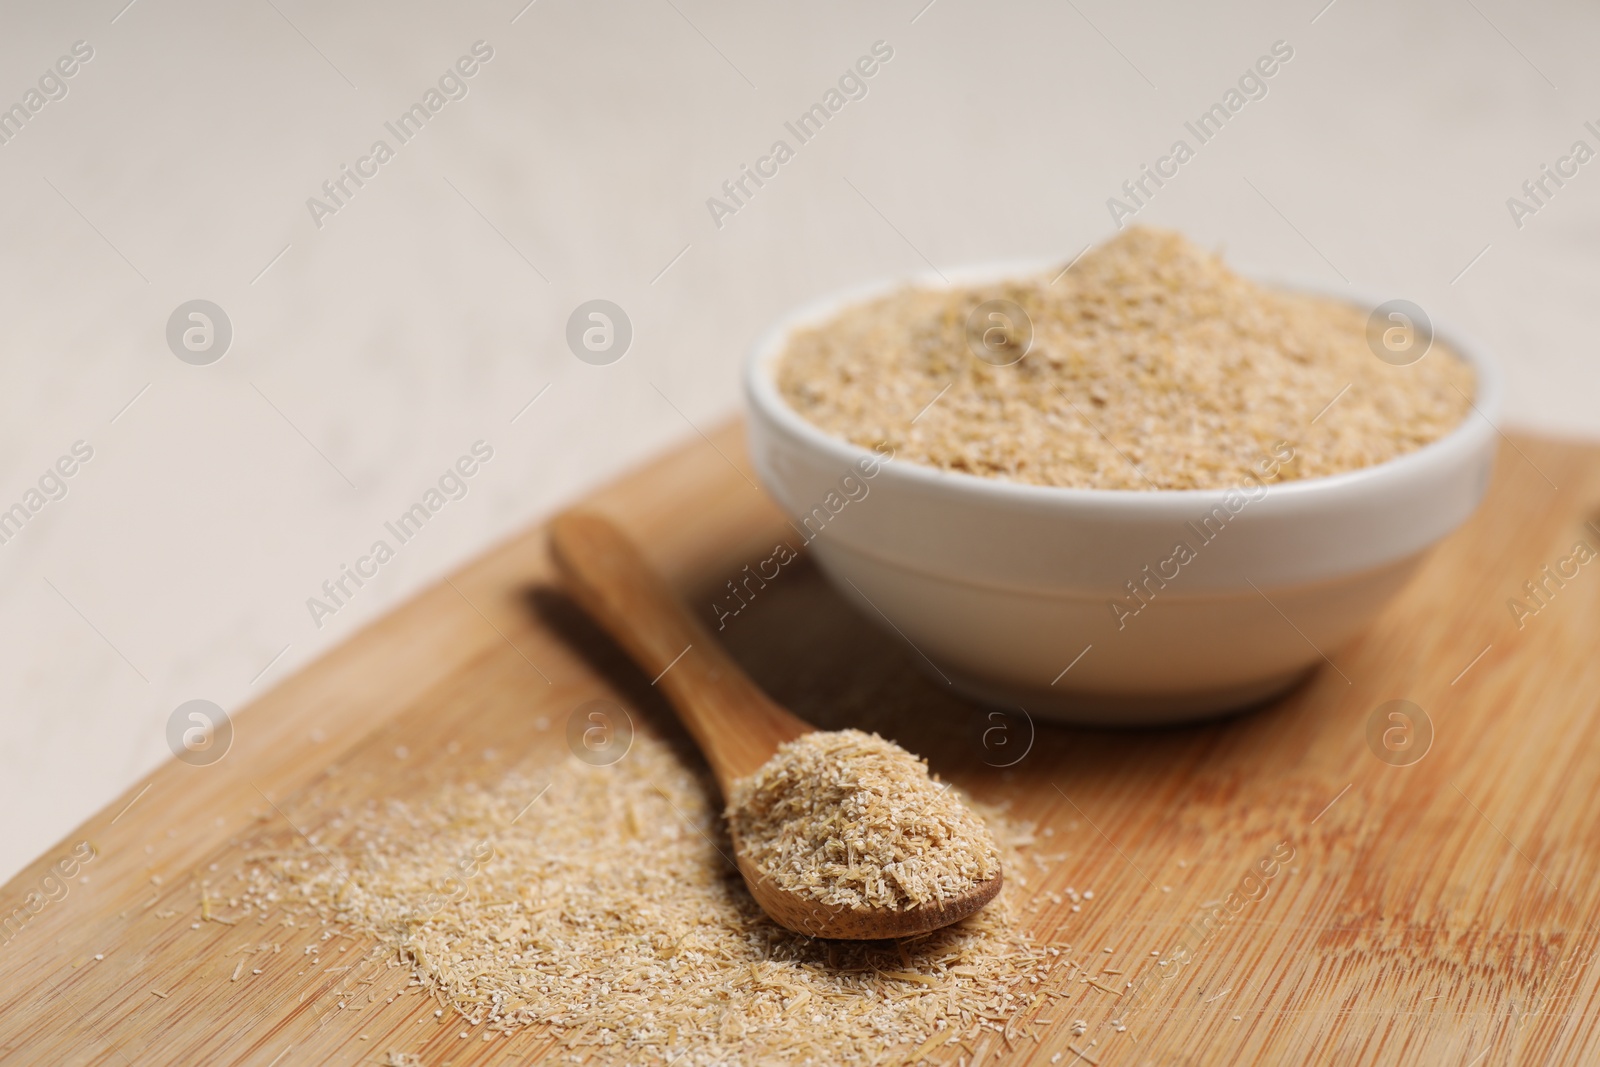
(1441, 912)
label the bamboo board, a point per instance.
(1440, 912)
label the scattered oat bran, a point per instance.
(615, 926)
(846, 818)
(1152, 366)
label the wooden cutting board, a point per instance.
(1438, 912)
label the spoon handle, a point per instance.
(736, 725)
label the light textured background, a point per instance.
(415, 321)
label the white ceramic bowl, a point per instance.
(1000, 587)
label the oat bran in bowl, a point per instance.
(1162, 493)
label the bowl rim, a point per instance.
(767, 402)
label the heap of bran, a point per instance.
(1152, 365)
(846, 818)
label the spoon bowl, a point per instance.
(815, 919)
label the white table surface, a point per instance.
(429, 310)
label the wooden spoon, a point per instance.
(737, 727)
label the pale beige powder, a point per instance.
(1152, 366)
(607, 916)
(846, 818)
